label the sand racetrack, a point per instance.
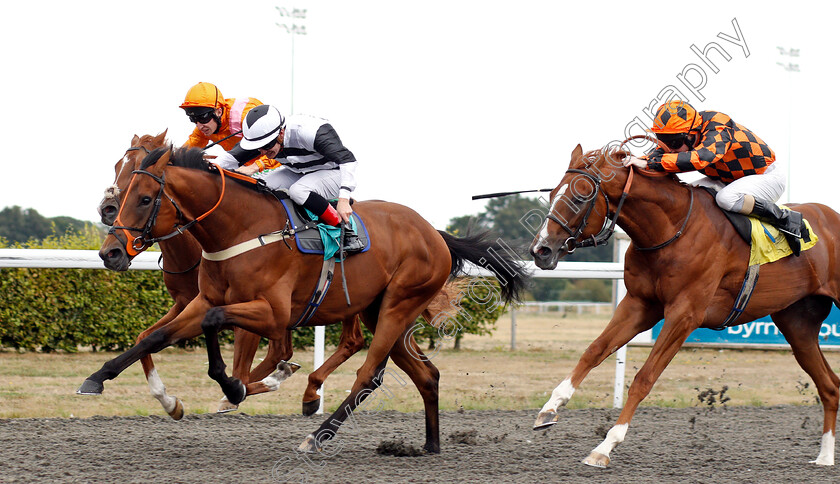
(736, 444)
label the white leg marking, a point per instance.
(159, 391)
(274, 380)
(560, 396)
(614, 437)
(826, 457)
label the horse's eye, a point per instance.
(145, 200)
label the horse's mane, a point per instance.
(613, 152)
(193, 158)
(183, 157)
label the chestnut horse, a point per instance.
(686, 264)
(181, 280)
(264, 289)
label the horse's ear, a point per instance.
(577, 152)
(160, 137)
(161, 163)
(135, 140)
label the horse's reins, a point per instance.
(608, 228)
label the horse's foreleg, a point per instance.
(800, 324)
(667, 345)
(245, 346)
(261, 378)
(185, 326)
(255, 316)
(352, 340)
(631, 317)
(172, 405)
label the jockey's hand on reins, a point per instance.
(632, 160)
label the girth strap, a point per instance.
(743, 298)
(320, 293)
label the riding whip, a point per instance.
(217, 142)
(504, 194)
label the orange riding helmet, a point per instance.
(203, 95)
(676, 117)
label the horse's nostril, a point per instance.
(544, 252)
(109, 211)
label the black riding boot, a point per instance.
(352, 242)
(787, 221)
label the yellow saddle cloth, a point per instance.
(770, 245)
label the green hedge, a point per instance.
(65, 309)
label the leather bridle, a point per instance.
(610, 219)
(144, 240)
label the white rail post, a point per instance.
(512, 328)
(622, 242)
(320, 333)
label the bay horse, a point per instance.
(180, 276)
(686, 264)
(264, 289)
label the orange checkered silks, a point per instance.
(725, 151)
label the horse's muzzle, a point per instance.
(115, 258)
(544, 257)
(108, 210)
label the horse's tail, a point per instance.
(497, 258)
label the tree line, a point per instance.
(20, 225)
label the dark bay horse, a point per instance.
(180, 257)
(264, 290)
(690, 280)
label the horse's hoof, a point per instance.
(225, 406)
(597, 459)
(545, 420)
(309, 408)
(239, 393)
(309, 445)
(177, 413)
(432, 448)
(288, 367)
(90, 387)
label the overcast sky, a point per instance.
(438, 100)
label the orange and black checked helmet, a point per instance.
(675, 117)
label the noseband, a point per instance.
(571, 243)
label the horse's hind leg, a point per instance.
(395, 313)
(352, 340)
(800, 324)
(408, 356)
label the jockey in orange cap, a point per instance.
(735, 161)
(219, 120)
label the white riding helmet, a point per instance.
(262, 124)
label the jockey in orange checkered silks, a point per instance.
(735, 161)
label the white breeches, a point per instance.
(299, 185)
(769, 185)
